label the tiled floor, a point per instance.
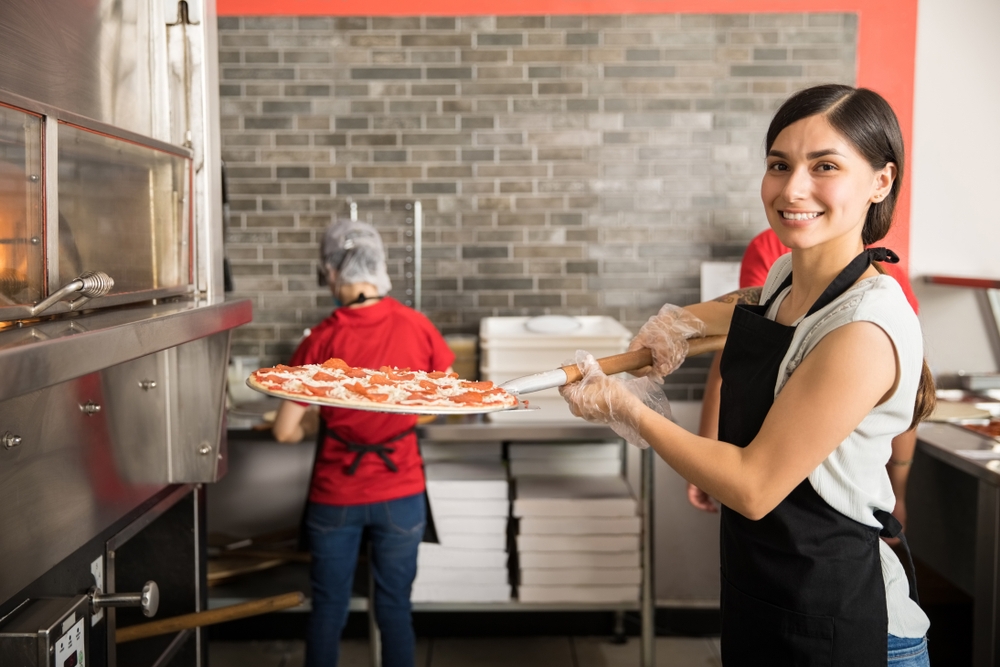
(487, 652)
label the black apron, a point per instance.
(803, 585)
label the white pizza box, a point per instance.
(467, 480)
(492, 541)
(436, 555)
(573, 496)
(534, 343)
(575, 559)
(538, 525)
(460, 593)
(524, 451)
(547, 467)
(602, 576)
(577, 543)
(494, 507)
(470, 525)
(483, 576)
(529, 594)
(461, 451)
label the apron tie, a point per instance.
(378, 449)
(883, 255)
(892, 528)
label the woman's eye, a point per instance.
(777, 166)
(826, 166)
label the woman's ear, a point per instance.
(884, 178)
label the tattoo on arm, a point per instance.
(749, 296)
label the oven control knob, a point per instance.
(10, 440)
(90, 408)
(148, 599)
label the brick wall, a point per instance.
(577, 165)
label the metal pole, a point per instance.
(374, 636)
(648, 600)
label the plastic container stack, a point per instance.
(578, 539)
(514, 346)
(470, 504)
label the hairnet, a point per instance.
(354, 250)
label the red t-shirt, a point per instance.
(385, 334)
(765, 248)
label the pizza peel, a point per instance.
(618, 363)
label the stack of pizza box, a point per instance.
(469, 500)
(578, 539)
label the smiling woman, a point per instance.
(820, 371)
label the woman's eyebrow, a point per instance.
(812, 156)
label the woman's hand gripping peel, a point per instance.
(612, 401)
(666, 335)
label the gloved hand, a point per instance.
(612, 401)
(666, 334)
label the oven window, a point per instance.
(21, 220)
(123, 209)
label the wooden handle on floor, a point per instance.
(633, 361)
(210, 617)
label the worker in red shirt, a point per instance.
(760, 254)
(368, 474)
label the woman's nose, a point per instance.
(797, 185)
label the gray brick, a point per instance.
(256, 73)
(437, 40)
(352, 188)
(548, 72)
(330, 139)
(352, 123)
(520, 22)
(385, 73)
(770, 54)
(583, 38)
(766, 70)
(421, 106)
(310, 90)
(437, 139)
(493, 284)
(638, 71)
(584, 105)
(267, 123)
(433, 89)
(439, 23)
(449, 72)
(396, 23)
(478, 155)
(500, 39)
(642, 55)
(292, 172)
(481, 252)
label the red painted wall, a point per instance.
(887, 33)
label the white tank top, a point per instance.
(853, 479)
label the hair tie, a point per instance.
(883, 255)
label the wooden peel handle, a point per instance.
(210, 617)
(633, 361)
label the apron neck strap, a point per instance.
(844, 279)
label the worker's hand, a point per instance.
(899, 511)
(701, 500)
(666, 334)
(617, 403)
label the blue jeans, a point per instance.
(395, 529)
(907, 652)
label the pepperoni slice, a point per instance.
(400, 377)
(478, 386)
(282, 367)
(378, 398)
(468, 398)
(316, 391)
(380, 379)
(453, 376)
(356, 373)
(336, 364)
(320, 376)
(436, 375)
(356, 388)
(428, 385)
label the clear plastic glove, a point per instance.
(666, 334)
(612, 401)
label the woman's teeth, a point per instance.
(798, 216)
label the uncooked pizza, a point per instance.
(337, 383)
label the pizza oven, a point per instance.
(114, 330)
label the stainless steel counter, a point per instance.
(477, 430)
(953, 507)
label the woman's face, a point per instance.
(817, 187)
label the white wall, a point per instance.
(955, 223)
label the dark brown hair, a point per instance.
(865, 119)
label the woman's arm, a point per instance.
(846, 375)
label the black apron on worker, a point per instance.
(803, 585)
